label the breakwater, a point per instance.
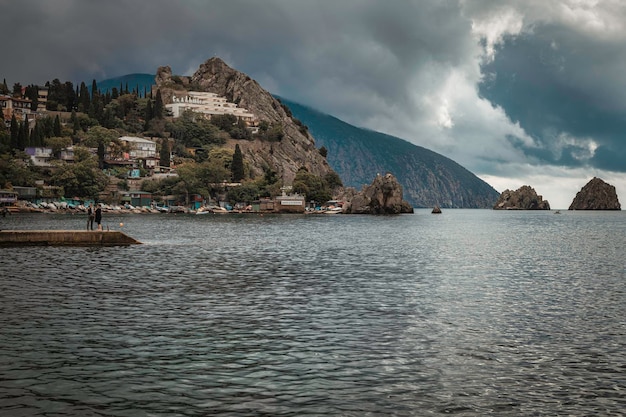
(65, 238)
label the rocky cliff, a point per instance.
(524, 198)
(296, 149)
(383, 196)
(596, 195)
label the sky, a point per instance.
(520, 92)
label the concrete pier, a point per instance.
(65, 238)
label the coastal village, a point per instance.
(141, 156)
(128, 161)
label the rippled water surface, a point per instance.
(471, 312)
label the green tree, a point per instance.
(236, 167)
(31, 92)
(323, 151)
(195, 133)
(4, 89)
(84, 99)
(15, 132)
(17, 90)
(57, 126)
(100, 137)
(23, 136)
(57, 144)
(246, 193)
(158, 105)
(312, 186)
(83, 178)
(165, 153)
(17, 170)
(5, 142)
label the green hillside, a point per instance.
(428, 178)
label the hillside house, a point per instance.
(40, 156)
(208, 104)
(141, 149)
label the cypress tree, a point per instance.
(75, 123)
(165, 153)
(101, 155)
(236, 166)
(36, 137)
(23, 136)
(94, 89)
(4, 89)
(57, 126)
(15, 131)
(158, 105)
(84, 100)
(148, 115)
(26, 131)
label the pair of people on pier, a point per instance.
(94, 215)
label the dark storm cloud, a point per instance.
(367, 46)
(557, 82)
(490, 84)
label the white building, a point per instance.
(208, 104)
(140, 148)
(40, 156)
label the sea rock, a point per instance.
(383, 196)
(524, 198)
(596, 195)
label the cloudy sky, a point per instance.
(517, 91)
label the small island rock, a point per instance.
(384, 196)
(524, 198)
(596, 195)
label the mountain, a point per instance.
(428, 178)
(356, 154)
(284, 148)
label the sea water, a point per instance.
(469, 312)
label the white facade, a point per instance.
(40, 156)
(140, 148)
(208, 104)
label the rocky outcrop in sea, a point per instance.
(596, 195)
(383, 196)
(524, 198)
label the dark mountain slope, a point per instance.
(139, 82)
(428, 178)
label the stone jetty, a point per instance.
(64, 238)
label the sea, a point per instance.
(465, 313)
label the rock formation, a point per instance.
(295, 150)
(383, 196)
(524, 198)
(596, 195)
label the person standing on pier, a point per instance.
(91, 216)
(99, 216)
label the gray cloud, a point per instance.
(520, 82)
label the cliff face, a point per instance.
(383, 196)
(524, 198)
(596, 195)
(296, 149)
